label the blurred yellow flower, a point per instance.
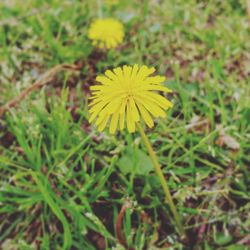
(106, 33)
(124, 94)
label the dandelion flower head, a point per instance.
(125, 95)
(106, 33)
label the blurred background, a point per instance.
(64, 185)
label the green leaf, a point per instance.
(145, 164)
(135, 161)
(236, 247)
(222, 239)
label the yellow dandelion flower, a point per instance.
(106, 33)
(126, 94)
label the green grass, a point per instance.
(63, 184)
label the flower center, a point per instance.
(129, 92)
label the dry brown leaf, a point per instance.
(198, 124)
(228, 141)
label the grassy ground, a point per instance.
(65, 185)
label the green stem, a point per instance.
(162, 179)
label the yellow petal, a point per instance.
(130, 122)
(119, 73)
(123, 106)
(122, 119)
(114, 122)
(100, 118)
(134, 70)
(146, 116)
(110, 75)
(98, 107)
(154, 109)
(157, 87)
(92, 117)
(103, 123)
(155, 79)
(104, 80)
(127, 71)
(157, 99)
(113, 106)
(145, 71)
(133, 109)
